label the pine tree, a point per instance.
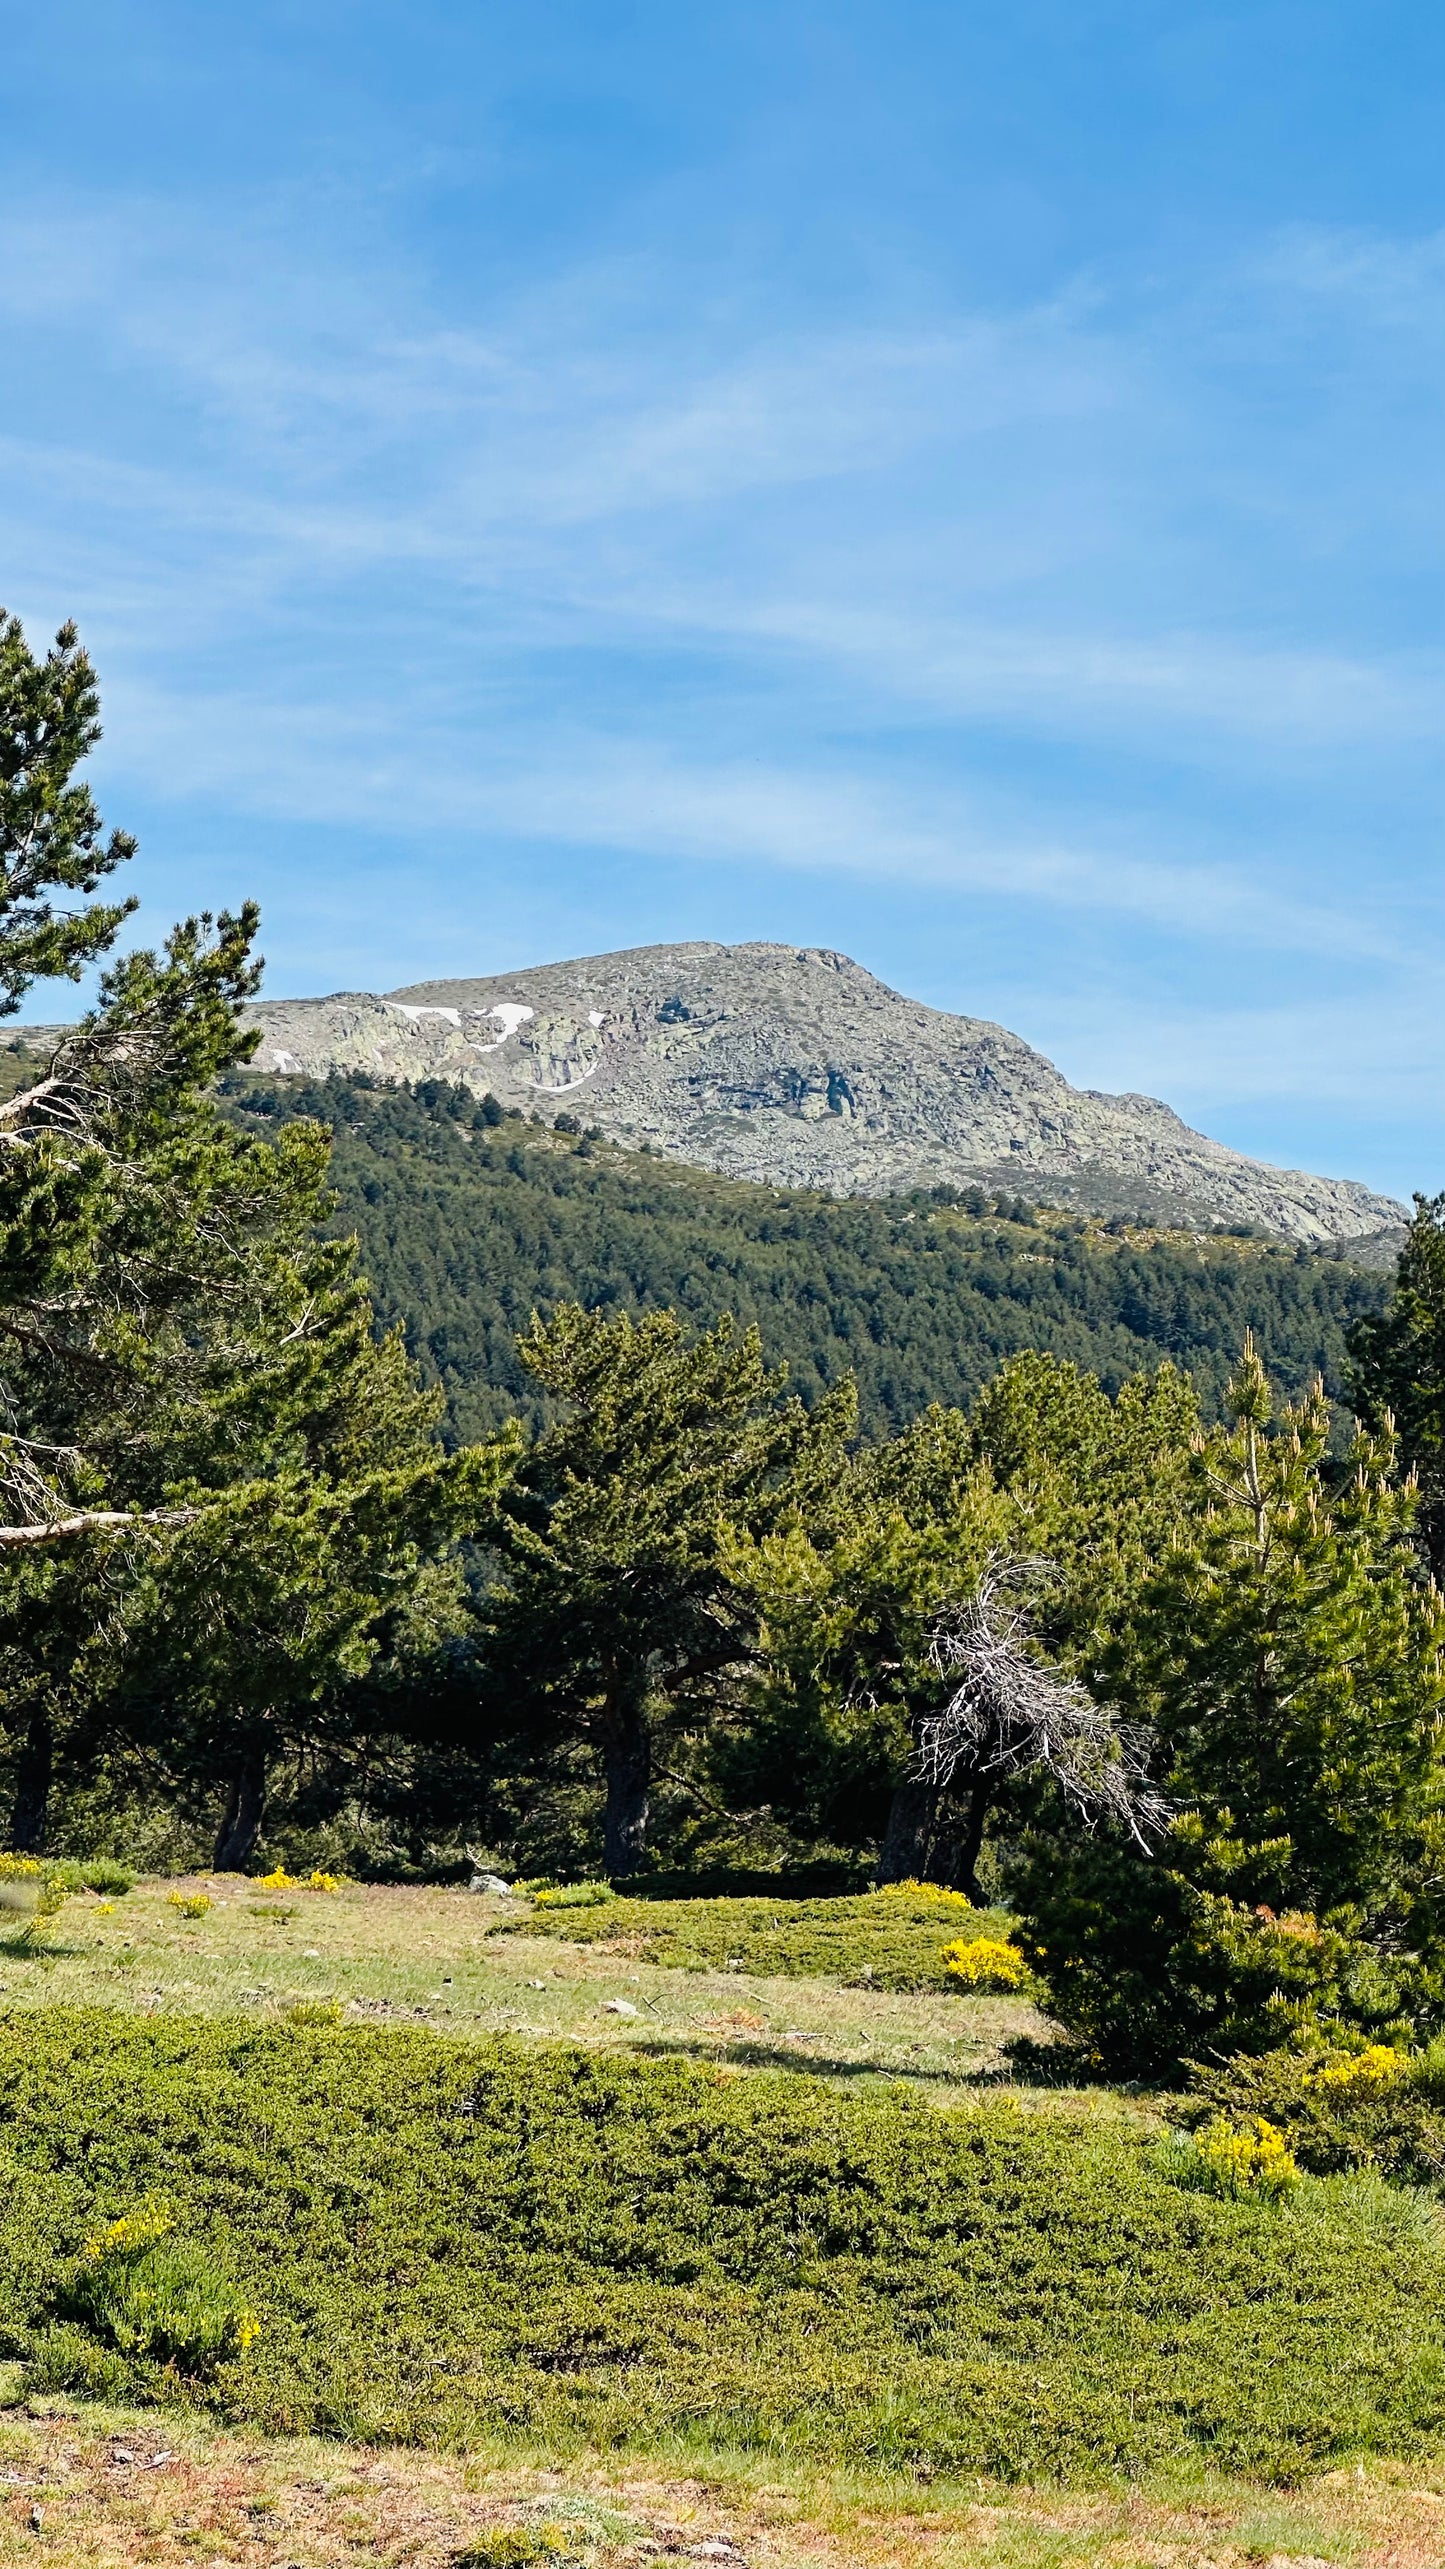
(878, 1624)
(616, 1619)
(1398, 1372)
(219, 1485)
(1288, 1656)
(50, 832)
(1292, 1655)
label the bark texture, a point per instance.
(34, 1770)
(244, 1813)
(627, 1767)
(935, 1834)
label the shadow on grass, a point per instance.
(29, 1948)
(1034, 2064)
(1025, 2063)
(803, 2062)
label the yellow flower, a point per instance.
(248, 2329)
(190, 1904)
(280, 1880)
(1255, 2159)
(321, 1882)
(986, 1962)
(1366, 2073)
(912, 1889)
(133, 2230)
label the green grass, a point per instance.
(889, 1940)
(427, 1956)
(446, 2240)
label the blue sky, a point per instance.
(960, 483)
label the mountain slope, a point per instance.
(796, 1067)
(466, 1226)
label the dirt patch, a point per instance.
(111, 2490)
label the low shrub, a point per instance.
(150, 2295)
(105, 1875)
(890, 1939)
(100, 1873)
(524, 2546)
(1374, 2107)
(441, 2241)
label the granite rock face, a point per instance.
(797, 1067)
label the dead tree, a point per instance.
(1008, 1712)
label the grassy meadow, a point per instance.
(131, 2489)
(496, 2273)
(471, 1966)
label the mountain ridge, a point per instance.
(796, 1066)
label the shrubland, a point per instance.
(434, 2242)
(901, 1938)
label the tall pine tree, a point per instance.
(217, 1483)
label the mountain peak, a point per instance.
(798, 1066)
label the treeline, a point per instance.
(468, 1221)
(1171, 1684)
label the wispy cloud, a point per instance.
(1039, 604)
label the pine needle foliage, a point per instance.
(467, 1225)
(1289, 1655)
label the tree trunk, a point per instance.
(907, 1851)
(627, 1766)
(33, 1771)
(245, 1810)
(931, 1838)
(969, 1843)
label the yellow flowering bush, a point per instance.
(1252, 2158)
(280, 1880)
(189, 1904)
(29, 1890)
(985, 1962)
(322, 1882)
(1361, 2074)
(910, 1890)
(150, 2294)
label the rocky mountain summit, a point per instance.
(797, 1067)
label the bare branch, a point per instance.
(1009, 1710)
(93, 1521)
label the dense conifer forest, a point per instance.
(468, 1222)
